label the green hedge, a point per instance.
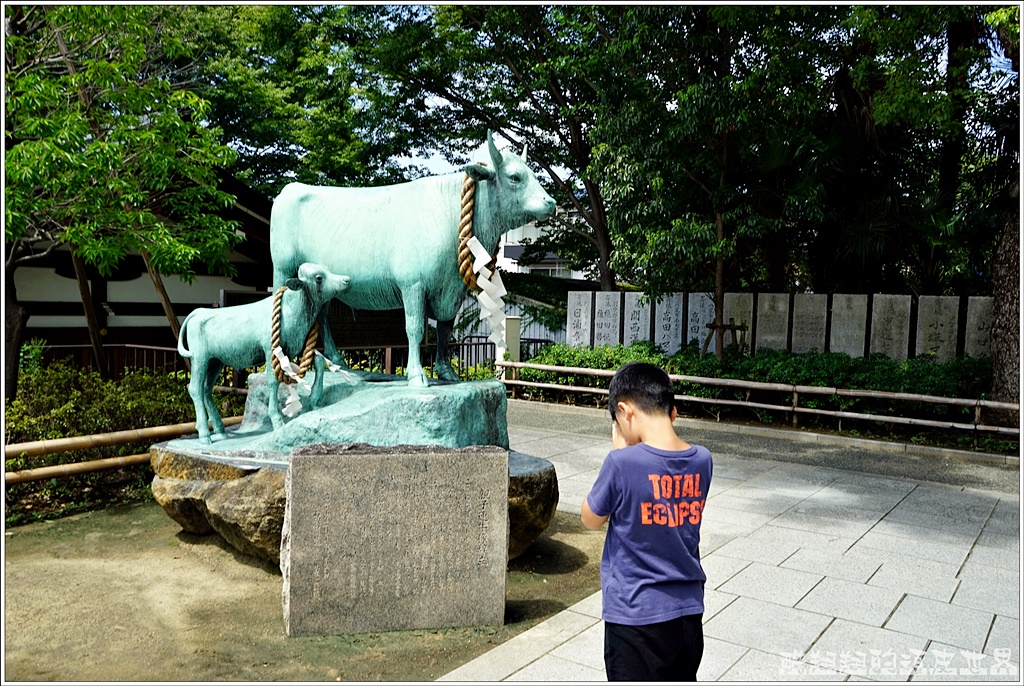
(961, 378)
(62, 400)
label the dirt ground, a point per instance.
(123, 594)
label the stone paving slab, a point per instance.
(850, 647)
(927, 618)
(949, 663)
(1004, 635)
(767, 626)
(719, 657)
(924, 578)
(774, 584)
(756, 665)
(852, 601)
(833, 565)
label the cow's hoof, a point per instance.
(445, 372)
(418, 379)
(205, 440)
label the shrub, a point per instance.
(62, 400)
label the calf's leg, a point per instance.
(213, 373)
(197, 391)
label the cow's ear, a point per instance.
(294, 283)
(479, 172)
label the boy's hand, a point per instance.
(617, 440)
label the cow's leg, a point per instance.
(273, 405)
(213, 374)
(442, 365)
(317, 393)
(197, 391)
(413, 301)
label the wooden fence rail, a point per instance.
(795, 391)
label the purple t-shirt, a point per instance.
(650, 568)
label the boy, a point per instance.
(651, 491)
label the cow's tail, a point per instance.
(181, 337)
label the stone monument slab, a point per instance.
(701, 313)
(607, 318)
(978, 326)
(637, 320)
(668, 323)
(579, 319)
(772, 320)
(849, 324)
(386, 539)
(740, 308)
(890, 325)
(809, 312)
(937, 322)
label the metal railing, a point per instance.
(795, 393)
(465, 354)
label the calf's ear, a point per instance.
(294, 283)
(479, 172)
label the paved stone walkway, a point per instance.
(814, 572)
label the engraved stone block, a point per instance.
(809, 311)
(772, 320)
(579, 318)
(740, 308)
(890, 325)
(607, 312)
(978, 326)
(637, 320)
(701, 313)
(668, 323)
(849, 324)
(937, 321)
(385, 539)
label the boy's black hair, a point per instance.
(645, 385)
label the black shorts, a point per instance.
(666, 651)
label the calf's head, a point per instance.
(320, 284)
(517, 194)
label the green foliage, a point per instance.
(30, 358)
(61, 400)
(281, 89)
(959, 378)
(104, 144)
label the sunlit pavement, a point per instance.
(827, 559)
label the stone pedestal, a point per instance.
(385, 539)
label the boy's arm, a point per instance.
(591, 520)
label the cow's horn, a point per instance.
(495, 154)
(524, 152)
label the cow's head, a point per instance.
(320, 284)
(519, 196)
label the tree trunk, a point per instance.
(90, 314)
(165, 301)
(161, 294)
(719, 290)
(15, 318)
(1005, 335)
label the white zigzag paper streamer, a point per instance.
(492, 307)
(292, 405)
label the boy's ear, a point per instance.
(674, 413)
(625, 409)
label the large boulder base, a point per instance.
(206, 494)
